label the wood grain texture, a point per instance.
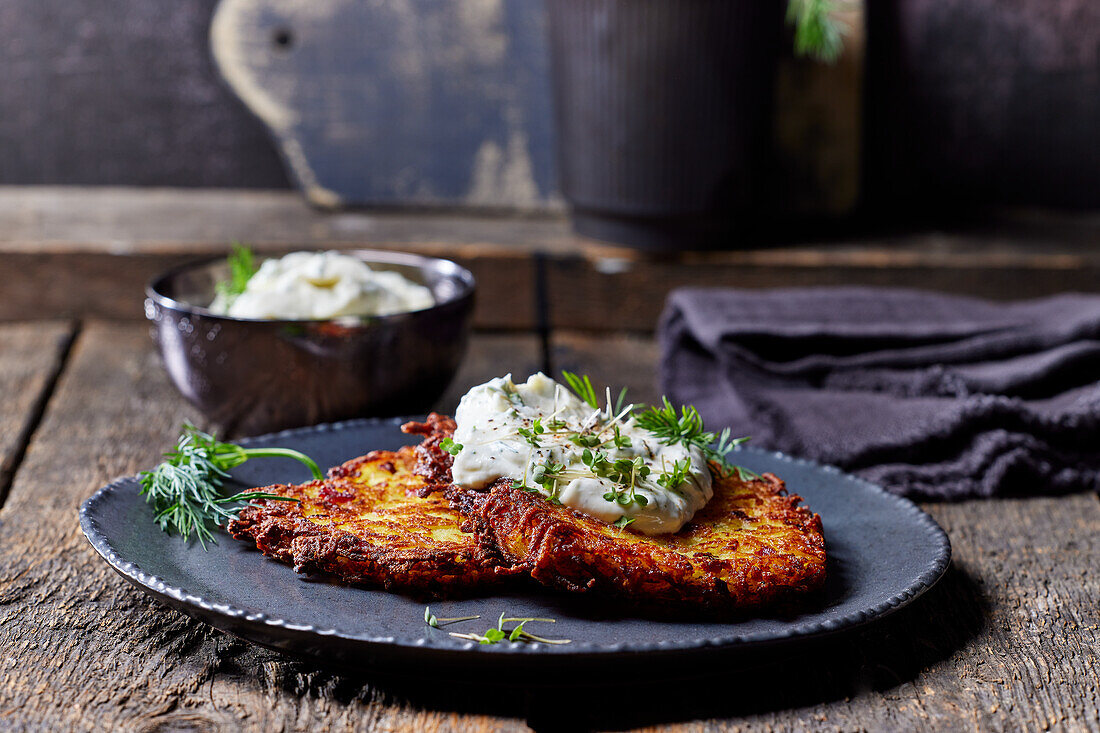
(1007, 641)
(88, 253)
(410, 101)
(629, 290)
(90, 285)
(1010, 640)
(116, 92)
(83, 649)
(611, 360)
(30, 357)
(492, 355)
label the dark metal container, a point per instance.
(254, 376)
(663, 111)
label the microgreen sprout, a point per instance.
(585, 440)
(434, 621)
(671, 479)
(531, 434)
(623, 472)
(622, 522)
(546, 475)
(517, 633)
(621, 441)
(450, 446)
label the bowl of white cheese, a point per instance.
(312, 337)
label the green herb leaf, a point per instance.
(677, 476)
(582, 386)
(530, 436)
(434, 621)
(450, 446)
(584, 440)
(622, 522)
(817, 32)
(185, 490)
(621, 441)
(687, 428)
(492, 636)
(242, 266)
(495, 635)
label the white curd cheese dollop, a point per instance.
(554, 462)
(322, 286)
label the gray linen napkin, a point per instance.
(931, 396)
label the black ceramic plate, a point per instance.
(883, 553)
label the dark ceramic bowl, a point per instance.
(254, 376)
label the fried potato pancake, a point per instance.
(750, 546)
(375, 522)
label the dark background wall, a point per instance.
(122, 92)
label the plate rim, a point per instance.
(794, 631)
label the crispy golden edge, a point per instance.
(369, 524)
(751, 546)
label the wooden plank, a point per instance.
(611, 360)
(67, 244)
(85, 649)
(108, 286)
(30, 357)
(625, 290)
(154, 220)
(1010, 640)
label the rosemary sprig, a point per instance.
(185, 490)
(817, 32)
(242, 266)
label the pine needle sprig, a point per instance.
(185, 489)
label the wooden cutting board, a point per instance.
(398, 101)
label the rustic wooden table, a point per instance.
(1007, 641)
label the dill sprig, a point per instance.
(242, 266)
(687, 428)
(185, 490)
(817, 32)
